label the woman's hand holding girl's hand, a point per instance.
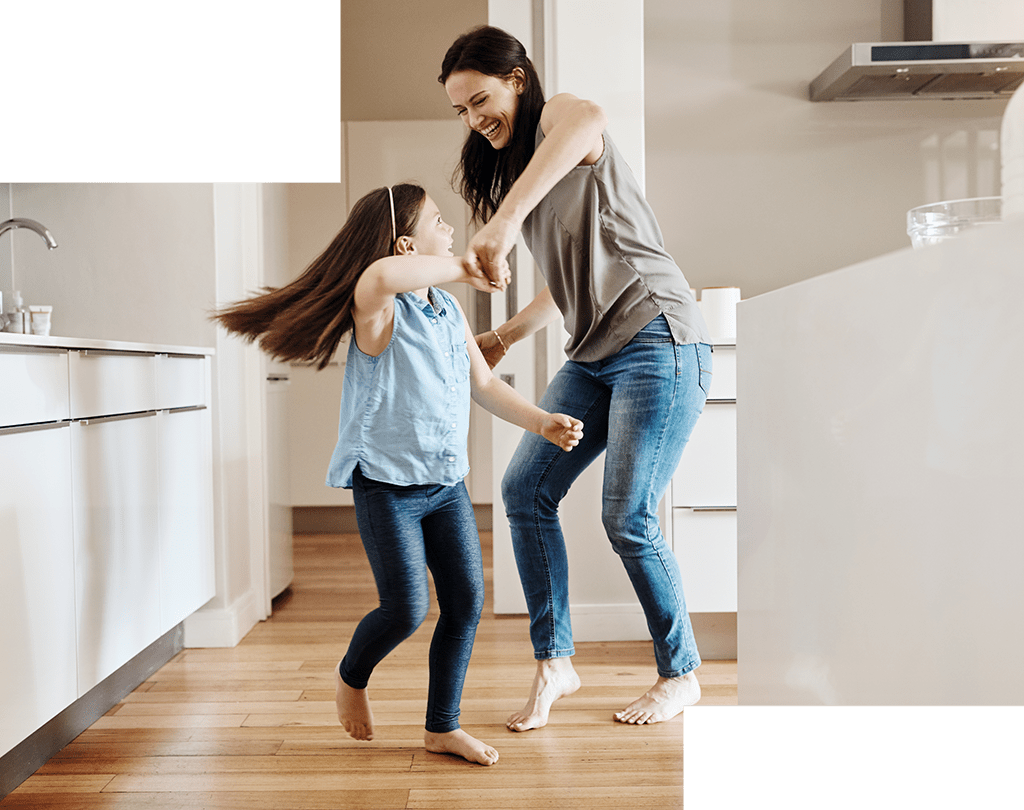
(562, 430)
(490, 246)
(478, 279)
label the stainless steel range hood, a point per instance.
(925, 69)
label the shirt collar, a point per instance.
(433, 306)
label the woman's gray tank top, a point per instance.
(599, 247)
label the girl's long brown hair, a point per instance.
(306, 319)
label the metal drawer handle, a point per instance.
(113, 353)
(713, 508)
(7, 431)
(12, 348)
(99, 420)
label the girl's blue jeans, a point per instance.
(639, 407)
(405, 531)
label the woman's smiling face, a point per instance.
(487, 104)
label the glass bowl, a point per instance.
(935, 223)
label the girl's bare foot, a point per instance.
(459, 743)
(555, 678)
(663, 701)
(353, 709)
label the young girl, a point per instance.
(639, 356)
(411, 367)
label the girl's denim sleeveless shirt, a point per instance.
(405, 413)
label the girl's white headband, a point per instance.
(391, 199)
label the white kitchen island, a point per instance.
(106, 527)
(881, 481)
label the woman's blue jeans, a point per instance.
(639, 407)
(405, 531)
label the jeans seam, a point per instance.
(676, 586)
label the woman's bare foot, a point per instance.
(353, 709)
(555, 678)
(460, 744)
(663, 701)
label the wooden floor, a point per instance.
(255, 726)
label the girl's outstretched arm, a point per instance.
(504, 401)
(374, 310)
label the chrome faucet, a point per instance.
(32, 225)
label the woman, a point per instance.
(412, 364)
(639, 355)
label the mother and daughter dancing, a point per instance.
(635, 382)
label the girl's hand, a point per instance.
(562, 430)
(489, 248)
(479, 280)
(490, 347)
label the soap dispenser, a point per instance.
(16, 315)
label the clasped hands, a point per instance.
(486, 256)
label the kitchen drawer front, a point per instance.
(705, 545)
(34, 383)
(181, 381)
(723, 373)
(112, 383)
(706, 475)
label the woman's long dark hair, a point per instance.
(306, 319)
(486, 174)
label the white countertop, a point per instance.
(57, 342)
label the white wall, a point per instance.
(134, 261)
(756, 187)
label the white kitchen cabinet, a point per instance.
(181, 380)
(313, 399)
(37, 579)
(705, 545)
(111, 382)
(117, 555)
(35, 385)
(106, 503)
(703, 497)
(184, 477)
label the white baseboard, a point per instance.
(222, 627)
(617, 622)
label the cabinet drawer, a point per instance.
(112, 383)
(706, 475)
(34, 385)
(180, 381)
(723, 373)
(705, 545)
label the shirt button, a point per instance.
(453, 388)
(451, 458)
(454, 424)
(433, 320)
(446, 354)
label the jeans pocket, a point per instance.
(657, 331)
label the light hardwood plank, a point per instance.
(255, 726)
